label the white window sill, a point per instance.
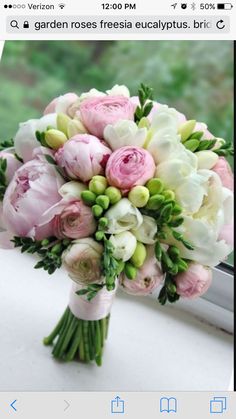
(150, 348)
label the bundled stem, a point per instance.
(76, 339)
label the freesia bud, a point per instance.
(139, 255)
(113, 194)
(103, 201)
(55, 139)
(75, 127)
(207, 159)
(155, 186)
(186, 129)
(88, 197)
(124, 245)
(62, 122)
(98, 184)
(155, 201)
(97, 210)
(130, 271)
(139, 196)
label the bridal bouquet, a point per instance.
(119, 191)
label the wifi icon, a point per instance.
(61, 5)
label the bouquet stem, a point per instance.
(76, 339)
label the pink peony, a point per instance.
(129, 166)
(83, 156)
(12, 164)
(62, 104)
(98, 112)
(148, 278)
(75, 221)
(223, 170)
(32, 191)
(194, 282)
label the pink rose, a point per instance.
(32, 191)
(62, 104)
(98, 112)
(194, 282)
(83, 156)
(223, 170)
(75, 221)
(148, 278)
(12, 164)
(129, 166)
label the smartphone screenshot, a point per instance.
(116, 209)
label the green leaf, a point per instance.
(82, 292)
(50, 159)
(6, 144)
(206, 145)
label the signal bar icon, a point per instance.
(61, 5)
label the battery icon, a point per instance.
(224, 6)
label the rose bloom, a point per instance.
(76, 221)
(83, 157)
(12, 164)
(148, 278)
(128, 167)
(62, 104)
(223, 170)
(82, 261)
(32, 191)
(97, 113)
(194, 282)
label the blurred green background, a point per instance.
(196, 77)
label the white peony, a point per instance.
(123, 216)
(119, 90)
(147, 231)
(124, 245)
(124, 133)
(25, 139)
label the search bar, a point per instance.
(117, 24)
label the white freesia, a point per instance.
(165, 117)
(147, 231)
(72, 190)
(25, 139)
(91, 94)
(124, 133)
(119, 90)
(206, 159)
(123, 216)
(124, 245)
(174, 172)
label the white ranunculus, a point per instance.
(119, 90)
(25, 139)
(147, 231)
(72, 190)
(124, 245)
(124, 133)
(123, 216)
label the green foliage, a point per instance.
(3, 180)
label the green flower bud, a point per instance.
(99, 235)
(168, 194)
(88, 197)
(56, 249)
(130, 270)
(182, 266)
(144, 122)
(97, 210)
(166, 261)
(45, 242)
(176, 210)
(158, 251)
(139, 255)
(110, 287)
(197, 135)
(176, 222)
(172, 287)
(75, 127)
(166, 212)
(103, 222)
(155, 201)
(98, 184)
(103, 201)
(192, 145)
(62, 122)
(113, 194)
(155, 186)
(186, 129)
(55, 139)
(174, 252)
(139, 196)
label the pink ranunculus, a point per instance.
(12, 164)
(83, 156)
(75, 221)
(97, 113)
(129, 166)
(194, 282)
(62, 104)
(223, 170)
(32, 191)
(148, 278)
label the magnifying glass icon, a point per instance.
(14, 24)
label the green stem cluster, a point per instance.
(3, 179)
(76, 339)
(145, 95)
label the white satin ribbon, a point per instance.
(98, 308)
